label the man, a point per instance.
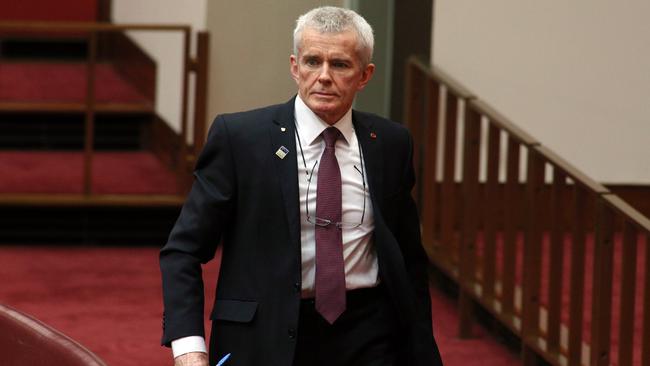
(322, 262)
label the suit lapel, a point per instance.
(372, 155)
(282, 134)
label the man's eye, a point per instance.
(340, 65)
(311, 62)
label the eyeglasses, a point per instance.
(318, 221)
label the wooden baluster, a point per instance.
(532, 254)
(429, 202)
(556, 263)
(491, 211)
(89, 124)
(469, 218)
(627, 299)
(448, 197)
(645, 342)
(577, 276)
(511, 218)
(413, 120)
(601, 311)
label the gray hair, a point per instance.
(331, 19)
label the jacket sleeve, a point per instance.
(195, 236)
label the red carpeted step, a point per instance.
(64, 82)
(62, 172)
(41, 10)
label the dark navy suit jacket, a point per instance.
(246, 198)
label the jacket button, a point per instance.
(292, 333)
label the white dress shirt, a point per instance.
(359, 256)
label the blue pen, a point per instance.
(223, 360)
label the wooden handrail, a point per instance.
(443, 78)
(503, 123)
(572, 172)
(570, 207)
(630, 213)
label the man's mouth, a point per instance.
(324, 94)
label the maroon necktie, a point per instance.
(330, 271)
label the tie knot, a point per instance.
(330, 135)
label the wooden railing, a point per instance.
(188, 149)
(502, 216)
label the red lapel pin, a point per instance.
(373, 135)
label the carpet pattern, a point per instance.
(61, 10)
(63, 82)
(136, 172)
(109, 299)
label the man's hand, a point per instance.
(192, 359)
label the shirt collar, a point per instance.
(311, 126)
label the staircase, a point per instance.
(549, 254)
(83, 152)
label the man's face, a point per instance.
(329, 73)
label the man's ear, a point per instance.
(366, 75)
(293, 59)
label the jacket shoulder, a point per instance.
(249, 122)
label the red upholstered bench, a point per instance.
(27, 341)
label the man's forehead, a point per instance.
(321, 52)
(317, 43)
(346, 36)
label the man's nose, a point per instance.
(324, 75)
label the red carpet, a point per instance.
(63, 82)
(109, 299)
(589, 285)
(62, 172)
(61, 10)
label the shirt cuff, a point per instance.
(189, 344)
